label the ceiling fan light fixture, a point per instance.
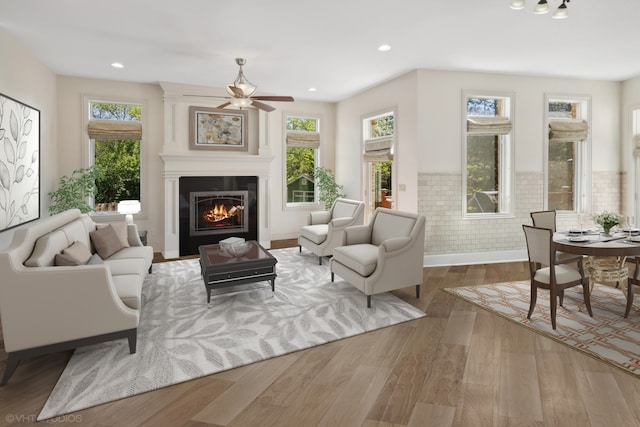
(541, 8)
(240, 102)
(241, 81)
(561, 12)
(517, 4)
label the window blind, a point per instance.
(568, 130)
(488, 125)
(114, 129)
(378, 150)
(303, 139)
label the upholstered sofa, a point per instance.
(325, 229)
(52, 298)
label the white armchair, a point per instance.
(385, 255)
(326, 228)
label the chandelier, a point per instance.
(543, 7)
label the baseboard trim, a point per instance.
(475, 258)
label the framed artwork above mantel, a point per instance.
(19, 163)
(218, 129)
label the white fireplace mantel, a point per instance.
(194, 163)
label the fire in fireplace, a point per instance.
(214, 212)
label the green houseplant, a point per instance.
(328, 189)
(73, 191)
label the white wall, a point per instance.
(440, 112)
(630, 163)
(286, 221)
(24, 78)
(399, 94)
(73, 138)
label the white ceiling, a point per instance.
(291, 45)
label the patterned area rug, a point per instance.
(607, 335)
(181, 338)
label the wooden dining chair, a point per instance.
(547, 274)
(547, 219)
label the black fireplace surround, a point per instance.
(213, 208)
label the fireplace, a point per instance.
(215, 212)
(213, 208)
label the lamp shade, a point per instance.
(517, 4)
(561, 12)
(129, 206)
(541, 8)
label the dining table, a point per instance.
(606, 255)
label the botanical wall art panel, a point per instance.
(217, 129)
(19, 163)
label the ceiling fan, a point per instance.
(242, 90)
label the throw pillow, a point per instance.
(79, 251)
(121, 231)
(95, 260)
(65, 260)
(106, 241)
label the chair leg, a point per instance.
(534, 298)
(368, 301)
(561, 297)
(417, 291)
(332, 276)
(319, 260)
(630, 284)
(554, 309)
(12, 364)
(300, 248)
(587, 296)
(133, 339)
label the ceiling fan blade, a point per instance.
(223, 105)
(236, 91)
(274, 98)
(262, 106)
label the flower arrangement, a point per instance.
(607, 220)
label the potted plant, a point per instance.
(73, 191)
(328, 189)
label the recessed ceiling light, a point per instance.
(384, 48)
(312, 89)
(117, 65)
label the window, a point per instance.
(379, 139)
(488, 163)
(566, 163)
(302, 141)
(115, 132)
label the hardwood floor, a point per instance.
(459, 366)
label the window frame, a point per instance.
(88, 154)
(582, 177)
(506, 173)
(300, 205)
(367, 165)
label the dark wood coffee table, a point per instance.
(221, 270)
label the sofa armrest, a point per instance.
(319, 217)
(395, 243)
(357, 235)
(133, 236)
(46, 305)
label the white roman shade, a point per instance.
(114, 129)
(488, 125)
(568, 130)
(303, 139)
(378, 150)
